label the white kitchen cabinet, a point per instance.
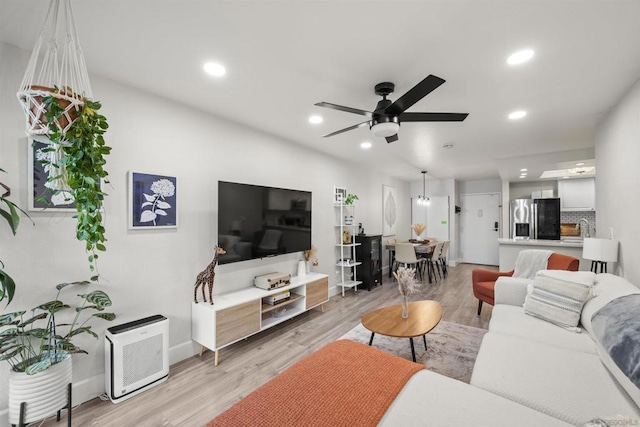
(577, 194)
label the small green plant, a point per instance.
(30, 348)
(11, 213)
(350, 199)
(84, 151)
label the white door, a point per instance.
(479, 228)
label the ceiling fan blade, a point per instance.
(432, 117)
(392, 138)
(343, 108)
(346, 129)
(415, 94)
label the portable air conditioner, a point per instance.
(136, 357)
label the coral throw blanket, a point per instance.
(344, 383)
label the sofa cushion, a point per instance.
(570, 385)
(558, 296)
(511, 290)
(608, 287)
(512, 320)
(617, 330)
(430, 399)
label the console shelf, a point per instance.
(266, 308)
(239, 314)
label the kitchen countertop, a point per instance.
(537, 242)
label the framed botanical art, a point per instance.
(40, 195)
(389, 211)
(153, 201)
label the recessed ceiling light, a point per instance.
(366, 145)
(214, 69)
(565, 177)
(520, 57)
(580, 164)
(517, 115)
(523, 176)
(315, 119)
(523, 170)
(447, 146)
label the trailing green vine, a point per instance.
(84, 151)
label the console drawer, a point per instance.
(317, 292)
(237, 322)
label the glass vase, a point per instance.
(405, 307)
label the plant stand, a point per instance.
(23, 410)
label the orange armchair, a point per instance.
(484, 281)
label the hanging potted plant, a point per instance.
(56, 97)
(39, 349)
(11, 213)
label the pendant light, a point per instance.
(423, 200)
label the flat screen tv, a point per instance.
(255, 221)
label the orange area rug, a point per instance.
(343, 384)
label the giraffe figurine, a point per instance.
(206, 276)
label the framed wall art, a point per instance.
(153, 201)
(40, 196)
(339, 194)
(389, 211)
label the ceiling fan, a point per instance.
(385, 120)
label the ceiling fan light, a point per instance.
(385, 129)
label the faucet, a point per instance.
(587, 233)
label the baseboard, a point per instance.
(183, 351)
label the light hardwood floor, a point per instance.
(197, 391)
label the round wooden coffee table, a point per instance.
(423, 317)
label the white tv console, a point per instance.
(239, 314)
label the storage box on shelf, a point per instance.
(239, 314)
(346, 227)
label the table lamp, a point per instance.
(600, 251)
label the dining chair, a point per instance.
(435, 260)
(406, 256)
(443, 257)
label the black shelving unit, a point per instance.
(369, 253)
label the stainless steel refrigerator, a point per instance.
(534, 219)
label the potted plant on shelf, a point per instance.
(350, 199)
(39, 349)
(82, 159)
(12, 215)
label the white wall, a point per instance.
(152, 271)
(618, 181)
(435, 188)
(523, 190)
(480, 186)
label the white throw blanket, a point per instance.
(530, 261)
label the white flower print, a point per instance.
(161, 189)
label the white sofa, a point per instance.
(528, 372)
(555, 371)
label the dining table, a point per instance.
(423, 248)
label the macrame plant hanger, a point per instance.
(60, 71)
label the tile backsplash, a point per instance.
(574, 216)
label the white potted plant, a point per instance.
(39, 349)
